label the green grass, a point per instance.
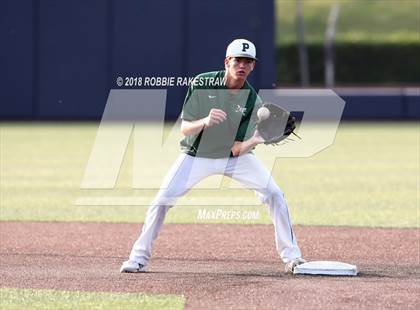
(50, 299)
(368, 177)
(359, 20)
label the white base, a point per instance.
(330, 268)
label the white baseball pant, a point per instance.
(187, 171)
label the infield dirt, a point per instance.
(217, 266)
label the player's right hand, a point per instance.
(216, 116)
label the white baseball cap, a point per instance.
(241, 48)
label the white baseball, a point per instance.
(263, 113)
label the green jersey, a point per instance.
(209, 92)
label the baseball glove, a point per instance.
(278, 126)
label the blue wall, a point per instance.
(59, 59)
(381, 103)
(17, 53)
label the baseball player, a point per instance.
(219, 127)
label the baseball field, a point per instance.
(62, 245)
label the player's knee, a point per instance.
(274, 194)
(165, 198)
(271, 196)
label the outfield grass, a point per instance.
(359, 20)
(369, 177)
(12, 298)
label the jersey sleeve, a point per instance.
(190, 109)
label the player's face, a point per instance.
(239, 68)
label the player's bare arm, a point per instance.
(244, 147)
(216, 116)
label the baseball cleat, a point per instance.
(290, 266)
(132, 267)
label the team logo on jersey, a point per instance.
(240, 109)
(245, 46)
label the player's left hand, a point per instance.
(273, 129)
